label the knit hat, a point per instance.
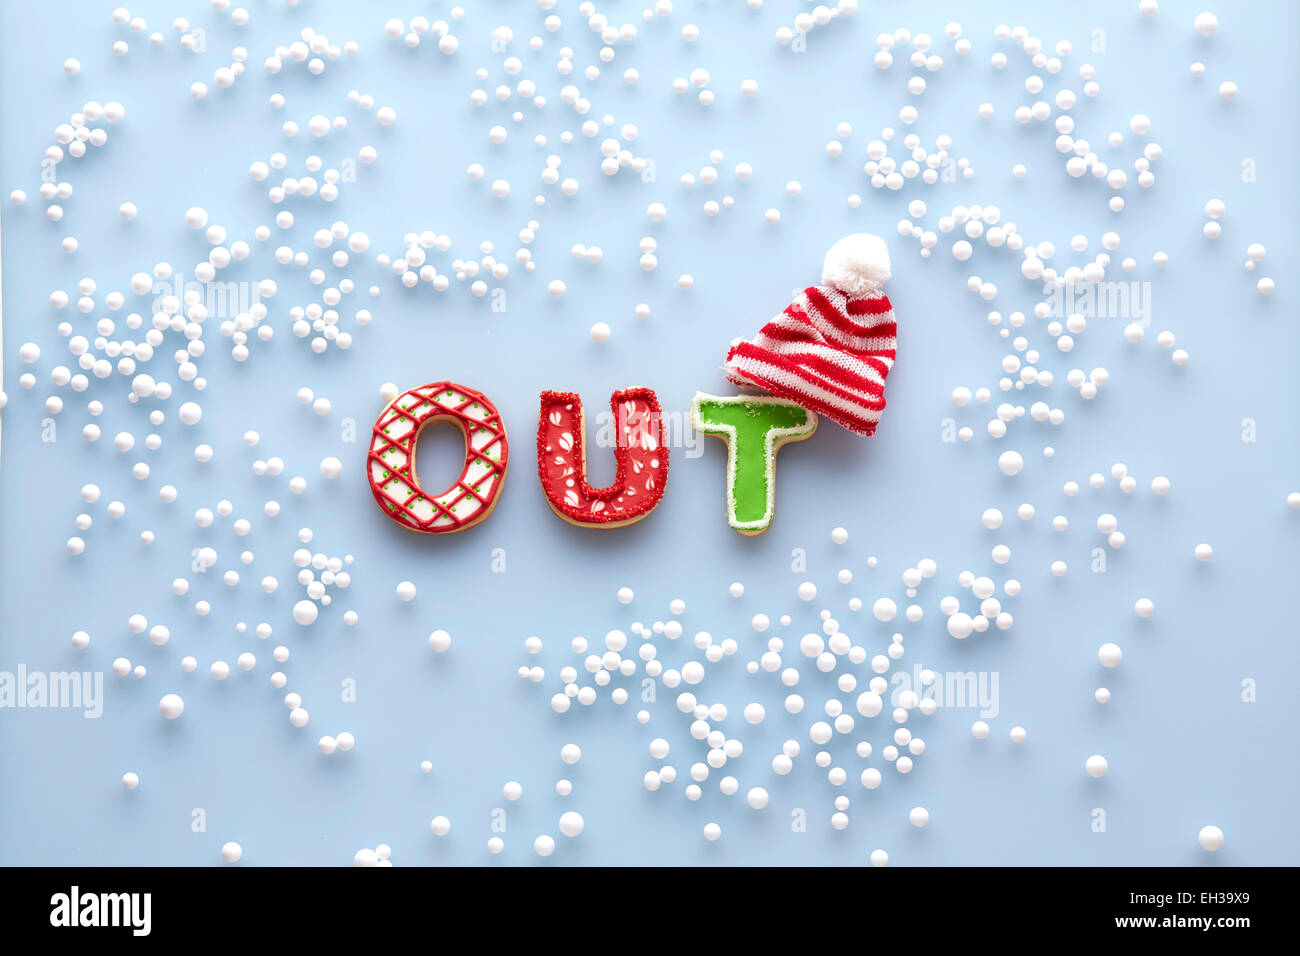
(833, 346)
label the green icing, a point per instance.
(752, 428)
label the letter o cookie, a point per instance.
(390, 463)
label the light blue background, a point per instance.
(1184, 749)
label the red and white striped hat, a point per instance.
(833, 346)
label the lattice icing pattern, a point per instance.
(391, 461)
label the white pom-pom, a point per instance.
(857, 265)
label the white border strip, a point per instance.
(2, 332)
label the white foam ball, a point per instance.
(1210, 838)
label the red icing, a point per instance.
(390, 464)
(639, 453)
